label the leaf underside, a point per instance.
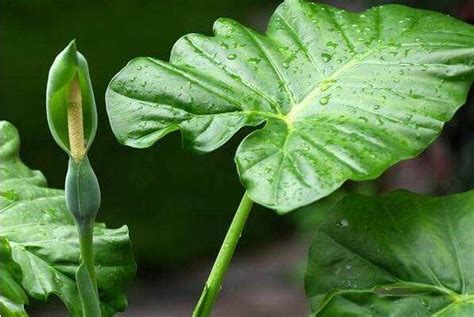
(343, 95)
(398, 255)
(44, 241)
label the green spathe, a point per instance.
(343, 95)
(397, 255)
(67, 66)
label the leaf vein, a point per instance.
(251, 87)
(260, 46)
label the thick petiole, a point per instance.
(214, 282)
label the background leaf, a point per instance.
(343, 95)
(44, 241)
(12, 296)
(400, 255)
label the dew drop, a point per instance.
(331, 44)
(343, 223)
(324, 100)
(326, 57)
(254, 60)
(231, 56)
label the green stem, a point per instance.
(214, 282)
(86, 242)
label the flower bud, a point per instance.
(70, 105)
(82, 193)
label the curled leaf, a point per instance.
(87, 293)
(12, 295)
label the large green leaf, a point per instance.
(44, 240)
(344, 95)
(397, 255)
(12, 296)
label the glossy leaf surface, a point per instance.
(343, 95)
(44, 240)
(397, 255)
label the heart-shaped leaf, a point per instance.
(12, 296)
(397, 255)
(44, 240)
(344, 95)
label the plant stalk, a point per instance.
(214, 282)
(86, 243)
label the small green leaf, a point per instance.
(12, 296)
(397, 255)
(69, 65)
(44, 240)
(343, 95)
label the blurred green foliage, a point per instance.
(178, 205)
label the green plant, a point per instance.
(46, 249)
(39, 243)
(341, 95)
(72, 119)
(394, 255)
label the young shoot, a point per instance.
(72, 119)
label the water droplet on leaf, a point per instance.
(326, 57)
(324, 100)
(343, 223)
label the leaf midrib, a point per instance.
(455, 244)
(455, 298)
(291, 116)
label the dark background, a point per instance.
(178, 205)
